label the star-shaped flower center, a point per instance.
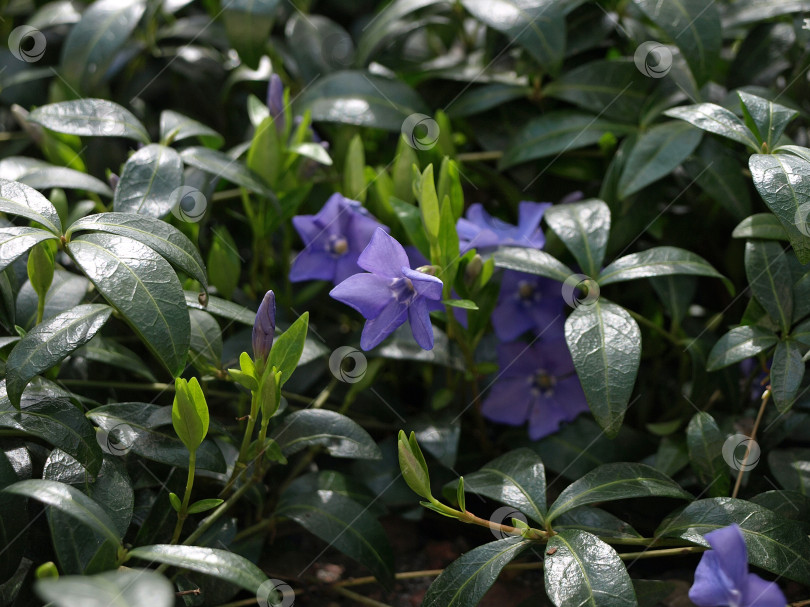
(403, 290)
(337, 245)
(543, 383)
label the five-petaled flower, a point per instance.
(536, 383)
(264, 327)
(390, 293)
(334, 239)
(528, 302)
(722, 578)
(482, 231)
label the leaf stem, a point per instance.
(765, 396)
(181, 516)
(358, 598)
(651, 554)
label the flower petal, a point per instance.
(508, 401)
(570, 398)
(759, 593)
(377, 329)
(732, 554)
(422, 330)
(509, 320)
(311, 264)
(383, 255)
(345, 266)
(711, 587)
(528, 233)
(361, 229)
(367, 293)
(545, 418)
(519, 360)
(426, 285)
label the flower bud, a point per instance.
(275, 101)
(264, 327)
(473, 270)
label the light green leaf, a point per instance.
(190, 413)
(288, 347)
(176, 127)
(223, 166)
(762, 226)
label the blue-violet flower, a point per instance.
(482, 231)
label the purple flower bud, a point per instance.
(113, 180)
(275, 101)
(264, 327)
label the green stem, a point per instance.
(651, 325)
(479, 156)
(241, 461)
(181, 516)
(651, 554)
(152, 387)
(358, 598)
(40, 308)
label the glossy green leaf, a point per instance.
(768, 272)
(555, 133)
(90, 117)
(774, 543)
(148, 182)
(605, 343)
(788, 504)
(412, 464)
(596, 521)
(17, 241)
(206, 340)
(532, 261)
(386, 22)
(517, 479)
(584, 228)
(265, 154)
(222, 564)
(222, 166)
(313, 151)
(465, 582)
(142, 428)
(25, 201)
(361, 98)
(481, 98)
(343, 524)
(67, 291)
(715, 119)
(204, 505)
(288, 347)
(761, 226)
(676, 293)
(224, 262)
(657, 153)
(109, 352)
(125, 588)
(738, 344)
(705, 443)
(177, 127)
(143, 287)
(784, 183)
(791, 467)
(787, 372)
(581, 569)
(717, 171)
(14, 521)
(164, 238)
(769, 118)
(248, 24)
(694, 27)
(49, 177)
(221, 307)
(70, 501)
(659, 261)
(50, 342)
(341, 436)
(618, 481)
(93, 43)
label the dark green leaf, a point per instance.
(206, 340)
(221, 307)
(705, 442)
(223, 166)
(341, 436)
(14, 521)
(319, 45)
(110, 352)
(788, 504)
(738, 344)
(791, 467)
(517, 479)
(716, 169)
(17, 241)
(25, 201)
(605, 343)
(50, 342)
(774, 543)
(676, 293)
(659, 261)
(784, 183)
(580, 569)
(656, 154)
(611, 482)
(787, 372)
(762, 226)
(584, 228)
(531, 261)
(465, 582)
(248, 24)
(596, 521)
(70, 501)
(125, 588)
(769, 118)
(90, 117)
(345, 525)
(93, 43)
(143, 287)
(222, 564)
(768, 272)
(481, 98)
(67, 291)
(148, 182)
(715, 119)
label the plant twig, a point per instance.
(765, 396)
(358, 598)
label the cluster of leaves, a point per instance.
(113, 290)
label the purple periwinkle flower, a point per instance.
(528, 303)
(482, 231)
(264, 327)
(537, 384)
(334, 239)
(275, 102)
(722, 578)
(390, 293)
